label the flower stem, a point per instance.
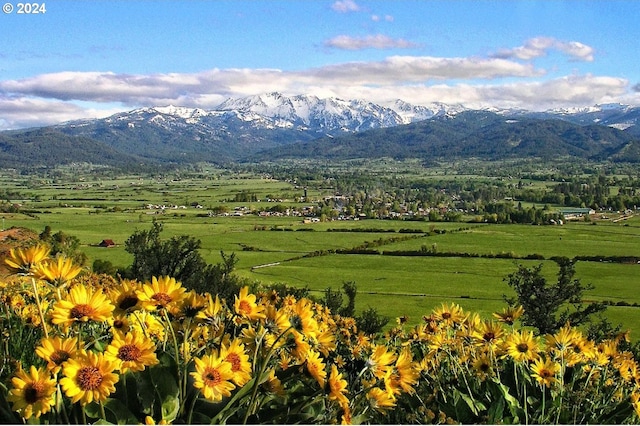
(39, 305)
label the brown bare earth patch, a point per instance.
(12, 238)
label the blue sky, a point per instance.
(93, 58)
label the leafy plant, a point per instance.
(548, 307)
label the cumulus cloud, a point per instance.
(538, 96)
(378, 41)
(344, 6)
(406, 69)
(539, 46)
(138, 89)
(472, 81)
(23, 112)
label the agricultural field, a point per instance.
(467, 265)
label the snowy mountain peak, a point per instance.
(411, 113)
(316, 116)
(182, 112)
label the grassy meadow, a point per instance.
(94, 209)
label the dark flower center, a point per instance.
(89, 378)
(80, 311)
(129, 353)
(59, 356)
(162, 299)
(245, 307)
(129, 301)
(234, 360)
(33, 392)
(211, 377)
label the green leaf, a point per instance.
(145, 391)
(116, 409)
(170, 407)
(92, 410)
(495, 414)
(475, 406)
(101, 422)
(158, 391)
(229, 409)
(514, 405)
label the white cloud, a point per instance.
(344, 6)
(377, 18)
(22, 112)
(399, 70)
(539, 46)
(473, 81)
(567, 91)
(378, 41)
(138, 89)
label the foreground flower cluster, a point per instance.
(123, 351)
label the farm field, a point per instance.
(394, 285)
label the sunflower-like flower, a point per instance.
(451, 314)
(338, 388)
(563, 340)
(277, 320)
(324, 341)
(316, 367)
(567, 344)
(544, 371)
(23, 260)
(522, 346)
(245, 305)
(509, 315)
(120, 323)
(627, 367)
(273, 384)
(380, 361)
(482, 366)
(58, 272)
(192, 304)
(125, 297)
(89, 377)
(83, 305)
(147, 323)
(56, 350)
(380, 400)
(33, 393)
(134, 351)
(213, 311)
(213, 377)
(635, 402)
(488, 334)
(161, 293)
(404, 375)
(235, 355)
(301, 318)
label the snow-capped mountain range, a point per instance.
(275, 111)
(319, 116)
(238, 128)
